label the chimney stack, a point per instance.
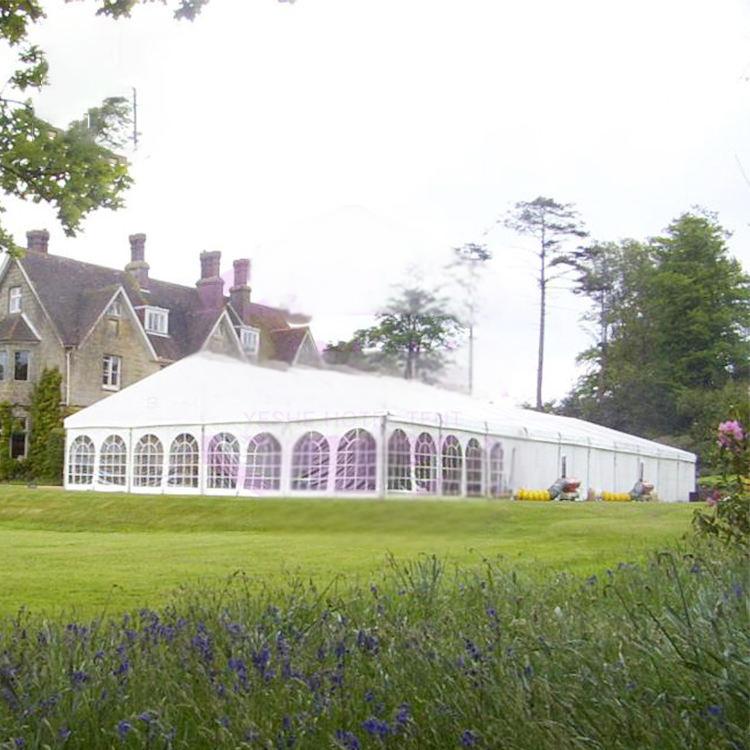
(37, 239)
(138, 266)
(239, 293)
(211, 285)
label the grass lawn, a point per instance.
(84, 552)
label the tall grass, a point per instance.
(648, 656)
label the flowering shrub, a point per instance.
(728, 514)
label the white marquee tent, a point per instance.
(212, 425)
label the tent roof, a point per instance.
(208, 388)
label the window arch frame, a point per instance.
(356, 475)
(263, 466)
(426, 464)
(451, 467)
(184, 466)
(474, 483)
(145, 468)
(497, 469)
(114, 460)
(76, 468)
(317, 455)
(399, 462)
(223, 462)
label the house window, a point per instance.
(21, 365)
(250, 339)
(115, 309)
(18, 437)
(157, 320)
(3, 365)
(14, 299)
(111, 372)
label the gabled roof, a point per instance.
(287, 342)
(75, 294)
(17, 328)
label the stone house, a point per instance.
(105, 328)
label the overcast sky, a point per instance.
(346, 145)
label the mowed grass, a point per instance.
(84, 553)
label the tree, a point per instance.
(46, 445)
(551, 223)
(412, 334)
(73, 169)
(466, 268)
(676, 311)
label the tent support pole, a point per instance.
(383, 456)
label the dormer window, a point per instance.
(14, 300)
(157, 320)
(250, 338)
(115, 309)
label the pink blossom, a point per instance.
(713, 499)
(730, 435)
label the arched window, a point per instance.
(81, 461)
(474, 468)
(356, 462)
(497, 469)
(223, 461)
(310, 462)
(263, 467)
(399, 461)
(425, 463)
(184, 461)
(148, 462)
(113, 461)
(451, 466)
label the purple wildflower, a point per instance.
(347, 740)
(468, 738)
(78, 678)
(64, 733)
(376, 727)
(123, 728)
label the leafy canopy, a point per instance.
(74, 169)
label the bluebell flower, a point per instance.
(78, 678)
(19, 742)
(695, 568)
(147, 717)
(347, 740)
(472, 650)
(369, 696)
(403, 715)
(64, 733)
(123, 728)
(122, 669)
(376, 727)
(468, 738)
(592, 580)
(715, 711)
(528, 671)
(492, 613)
(224, 722)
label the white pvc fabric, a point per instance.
(209, 424)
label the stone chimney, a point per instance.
(138, 266)
(239, 292)
(211, 285)
(37, 239)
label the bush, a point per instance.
(728, 497)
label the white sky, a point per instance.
(344, 145)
